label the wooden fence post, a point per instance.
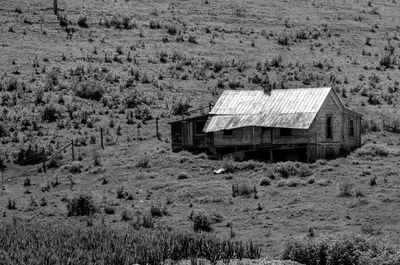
(101, 133)
(44, 160)
(73, 152)
(158, 136)
(55, 7)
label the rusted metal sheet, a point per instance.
(282, 108)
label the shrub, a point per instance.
(134, 99)
(122, 22)
(76, 167)
(82, 22)
(292, 169)
(265, 182)
(29, 154)
(109, 209)
(242, 189)
(171, 30)
(158, 210)
(121, 193)
(143, 113)
(51, 113)
(143, 162)
(4, 131)
(126, 215)
(374, 150)
(11, 204)
(81, 205)
(345, 189)
(393, 125)
(192, 39)
(201, 222)
(180, 108)
(229, 166)
(27, 182)
(89, 90)
(154, 24)
(372, 181)
(146, 221)
(369, 125)
(285, 39)
(12, 84)
(183, 175)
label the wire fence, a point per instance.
(111, 140)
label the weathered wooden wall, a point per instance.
(341, 140)
(184, 137)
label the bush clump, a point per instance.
(76, 167)
(51, 113)
(180, 108)
(81, 205)
(29, 154)
(242, 188)
(265, 182)
(89, 90)
(4, 131)
(82, 22)
(201, 222)
(158, 210)
(374, 150)
(341, 249)
(143, 162)
(292, 169)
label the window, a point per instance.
(199, 126)
(228, 132)
(329, 127)
(351, 128)
(285, 132)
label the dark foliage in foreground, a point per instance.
(341, 249)
(81, 205)
(37, 243)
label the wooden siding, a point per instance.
(184, 136)
(341, 140)
(262, 136)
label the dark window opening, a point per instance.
(351, 128)
(228, 132)
(285, 132)
(329, 127)
(199, 126)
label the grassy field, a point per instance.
(127, 63)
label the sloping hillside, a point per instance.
(118, 65)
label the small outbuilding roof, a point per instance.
(281, 108)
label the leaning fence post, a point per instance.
(73, 152)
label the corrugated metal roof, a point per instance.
(282, 108)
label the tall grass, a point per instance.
(48, 243)
(341, 249)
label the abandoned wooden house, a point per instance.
(285, 124)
